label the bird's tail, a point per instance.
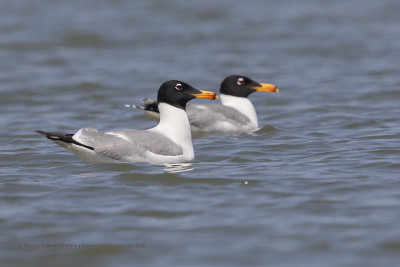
(150, 107)
(63, 138)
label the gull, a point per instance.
(236, 113)
(168, 142)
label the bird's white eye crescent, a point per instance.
(240, 81)
(178, 87)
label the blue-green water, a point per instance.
(317, 185)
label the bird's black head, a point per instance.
(177, 93)
(242, 86)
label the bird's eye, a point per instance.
(240, 81)
(178, 87)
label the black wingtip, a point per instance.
(150, 105)
(47, 134)
(66, 138)
(134, 106)
(50, 135)
(40, 131)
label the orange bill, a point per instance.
(266, 87)
(206, 94)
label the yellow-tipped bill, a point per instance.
(266, 87)
(207, 95)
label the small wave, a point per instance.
(267, 129)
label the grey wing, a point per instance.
(109, 145)
(203, 116)
(150, 141)
(120, 145)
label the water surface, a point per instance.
(317, 185)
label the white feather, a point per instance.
(243, 105)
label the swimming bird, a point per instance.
(236, 113)
(168, 142)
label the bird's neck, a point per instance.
(241, 104)
(174, 124)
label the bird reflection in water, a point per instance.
(178, 167)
